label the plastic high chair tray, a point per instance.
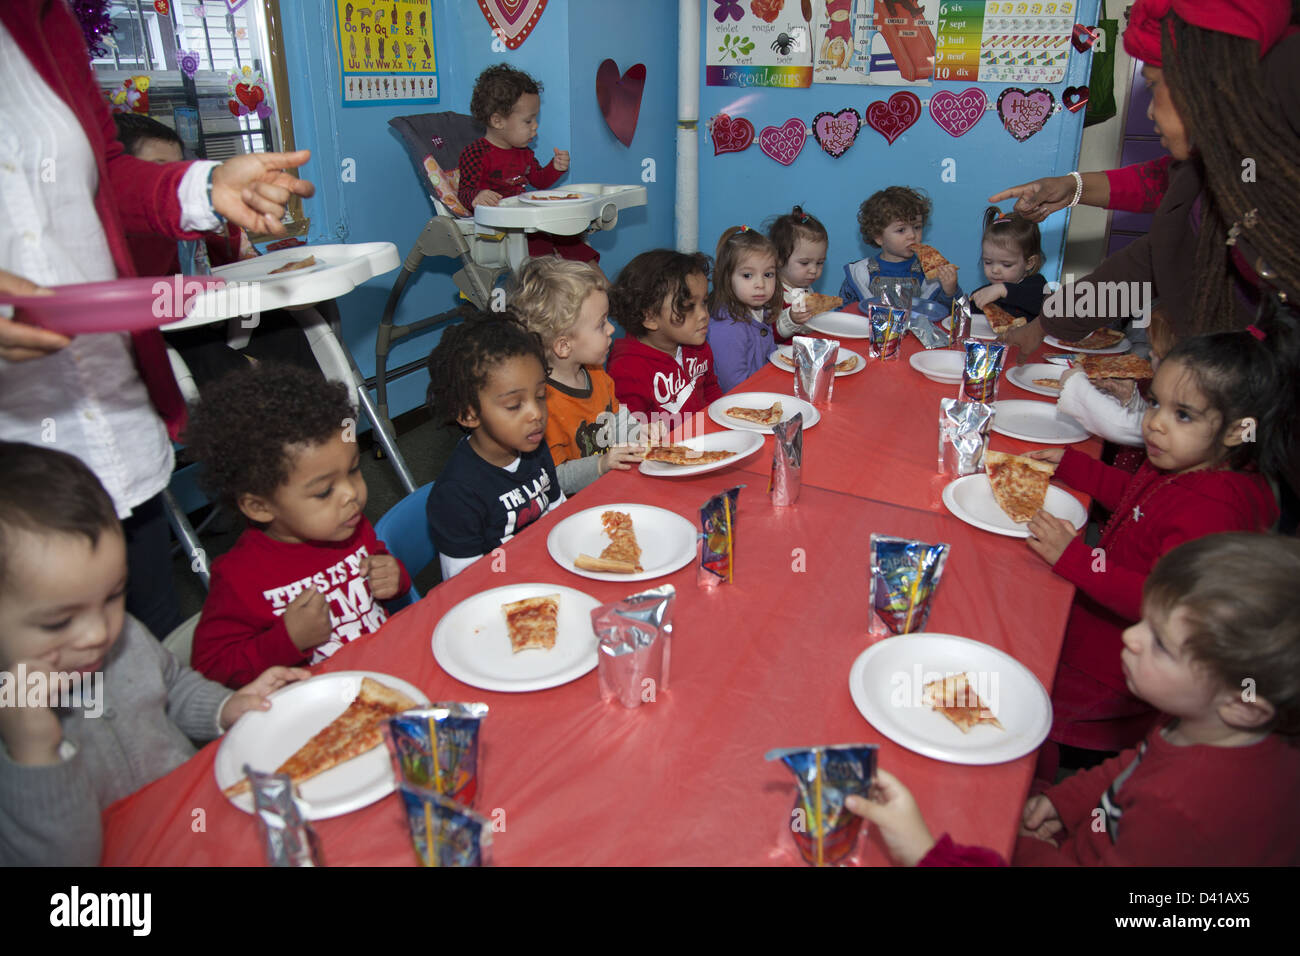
(565, 217)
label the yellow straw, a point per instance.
(428, 830)
(911, 600)
(437, 764)
(817, 796)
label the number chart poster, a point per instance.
(1004, 42)
(757, 43)
(386, 51)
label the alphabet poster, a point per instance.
(386, 51)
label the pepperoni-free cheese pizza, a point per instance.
(932, 259)
(531, 623)
(761, 416)
(623, 555)
(1019, 483)
(956, 699)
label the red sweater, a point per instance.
(504, 171)
(242, 632)
(649, 381)
(133, 194)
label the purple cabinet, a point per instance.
(1140, 143)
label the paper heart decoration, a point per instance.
(893, 118)
(1083, 37)
(512, 20)
(1074, 98)
(731, 135)
(836, 132)
(783, 143)
(619, 98)
(957, 113)
(1024, 113)
(250, 96)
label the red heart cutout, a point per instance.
(250, 96)
(1074, 98)
(235, 108)
(893, 118)
(619, 98)
(731, 135)
(1083, 37)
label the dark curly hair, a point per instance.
(247, 423)
(889, 205)
(460, 363)
(497, 89)
(650, 278)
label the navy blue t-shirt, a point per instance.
(476, 506)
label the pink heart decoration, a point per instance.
(619, 98)
(1024, 113)
(512, 20)
(731, 135)
(957, 113)
(836, 132)
(1083, 37)
(891, 120)
(783, 142)
(1074, 98)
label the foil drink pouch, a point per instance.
(980, 373)
(787, 461)
(931, 335)
(897, 292)
(718, 539)
(287, 837)
(887, 327)
(814, 368)
(443, 832)
(635, 636)
(904, 576)
(437, 748)
(824, 829)
(963, 436)
(959, 324)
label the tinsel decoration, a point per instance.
(95, 24)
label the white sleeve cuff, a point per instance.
(197, 214)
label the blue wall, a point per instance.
(388, 202)
(750, 187)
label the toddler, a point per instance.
(1011, 253)
(801, 243)
(893, 219)
(745, 295)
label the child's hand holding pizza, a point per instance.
(620, 458)
(1040, 819)
(561, 160)
(254, 696)
(307, 619)
(383, 573)
(31, 734)
(893, 810)
(947, 274)
(990, 293)
(1049, 536)
(1051, 455)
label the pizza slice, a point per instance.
(293, 266)
(1053, 383)
(623, 555)
(760, 416)
(1098, 367)
(684, 455)
(531, 623)
(816, 303)
(956, 699)
(1100, 339)
(1001, 320)
(358, 729)
(1019, 484)
(932, 259)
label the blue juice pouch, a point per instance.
(824, 830)
(980, 371)
(443, 832)
(437, 748)
(904, 575)
(718, 539)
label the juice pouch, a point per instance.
(718, 538)
(904, 575)
(823, 828)
(443, 832)
(887, 328)
(437, 747)
(979, 376)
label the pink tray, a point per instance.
(119, 305)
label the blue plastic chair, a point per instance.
(405, 531)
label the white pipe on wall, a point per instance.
(687, 207)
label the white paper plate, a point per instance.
(471, 643)
(667, 541)
(265, 739)
(970, 498)
(939, 365)
(979, 327)
(1122, 346)
(788, 352)
(789, 406)
(1022, 376)
(538, 197)
(842, 325)
(741, 444)
(886, 682)
(1036, 421)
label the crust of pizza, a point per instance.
(358, 729)
(1019, 484)
(1054, 383)
(1098, 367)
(1001, 320)
(762, 416)
(956, 699)
(622, 555)
(291, 266)
(932, 260)
(531, 622)
(816, 303)
(684, 455)
(1097, 339)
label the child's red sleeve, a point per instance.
(947, 853)
(232, 643)
(1106, 483)
(709, 380)
(541, 177)
(470, 165)
(632, 385)
(376, 546)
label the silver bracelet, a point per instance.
(1078, 188)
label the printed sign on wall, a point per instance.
(386, 51)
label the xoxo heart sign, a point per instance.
(893, 118)
(731, 135)
(783, 143)
(835, 132)
(1024, 113)
(957, 113)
